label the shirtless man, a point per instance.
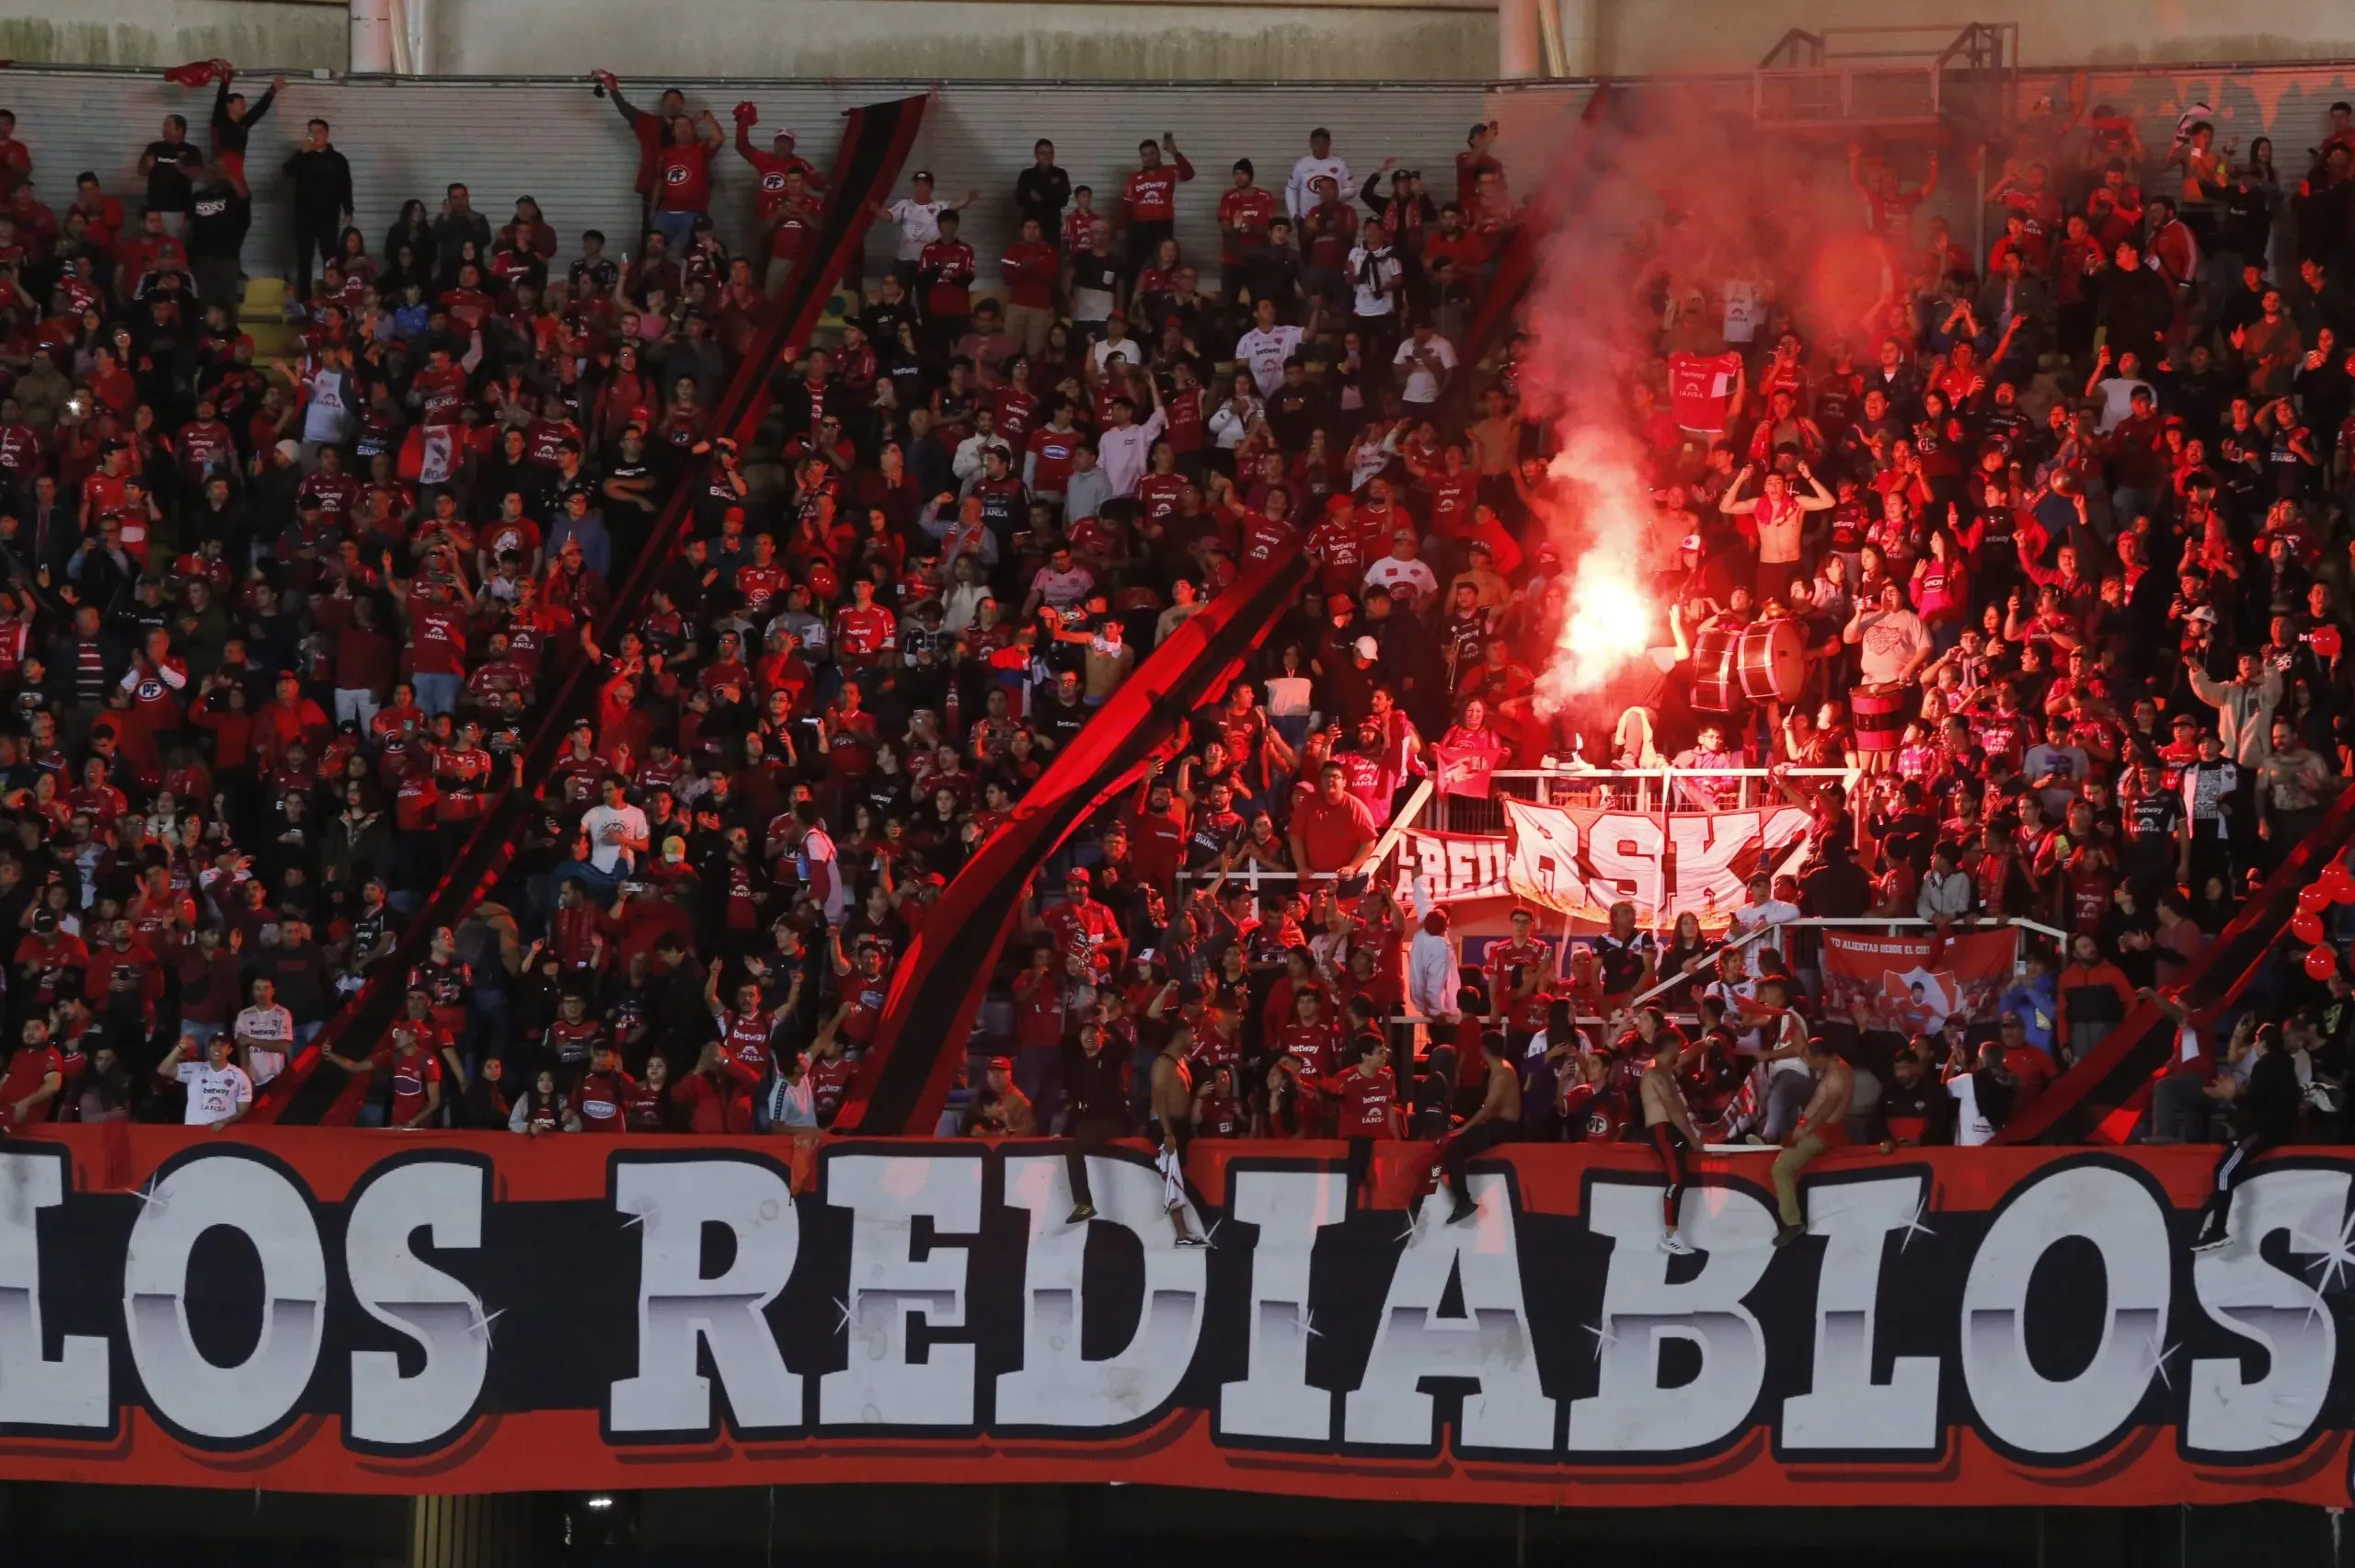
(1668, 1124)
(1497, 1121)
(1824, 1125)
(1172, 1127)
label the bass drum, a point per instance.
(1772, 662)
(1716, 685)
(1736, 665)
(1880, 714)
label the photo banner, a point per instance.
(1910, 984)
(311, 1310)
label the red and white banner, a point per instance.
(1455, 865)
(437, 1314)
(1911, 983)
(429, 454)
(1580, 861)
(1463, 769)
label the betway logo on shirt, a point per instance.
(1959, 1325)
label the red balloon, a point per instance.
(2339, 883)
(2321, 963)
(2314, 898)
(2306, 927)
(2325, 640)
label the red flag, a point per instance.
(428, 454)
(1464, 770)
(195, 73)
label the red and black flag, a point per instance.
(937, 990)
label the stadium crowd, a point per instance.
(2057, 533)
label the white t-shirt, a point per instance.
(1265, 353)
(1971, 1127)
(919, 224)
(818, 850)
(1391, 573)
(214, 1095)
(1105, 351)
(1299, 197)
(1374, 281)
(1421, 385)
(271, 1030)
(1745, 309)
(606, 827)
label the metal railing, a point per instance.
(1646, 791)
(1805, 79)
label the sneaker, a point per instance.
(1671, 1242)
(1464, 1210)
(1081, 1214)
(1786, 1234)
(1188, 1238)
(2209, 1240)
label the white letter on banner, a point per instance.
(1845, 1409)
(2019, 1405)
(1491, 1341)
(889, 1286)
(678, 1308)
(1642, 1311)
(435, 1311)
(71, 1389)
(1705, 850)
(1625, 850)
(1289, 1207)
(252, 1197)
(2287, 1317)
(1544, 853)
(1055, 1387)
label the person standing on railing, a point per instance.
(1668, 1126)
(1823, 1126)
(2268, 1099)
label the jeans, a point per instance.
(355, 704)
(677, 228)
(436, 695)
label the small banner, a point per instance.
(1463, 769)
(1911, 983)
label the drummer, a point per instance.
(1892, 645)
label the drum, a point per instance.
(1716, 684)
(1772, 661)
(1879, 713)
(1734, 666)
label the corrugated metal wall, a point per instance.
(557, 142)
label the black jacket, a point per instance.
(322, 183)
(218, 220)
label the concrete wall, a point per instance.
(284, 35)
(1658, 37)
(1427, 40)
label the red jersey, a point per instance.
(1700, 390)
(1151, 195)
(683, 177)
(1368, 1103)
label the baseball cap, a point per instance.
(1079, 874)
(925, 175)
(1001, 1064)
(1338, 604)
(1368, 648)
(1691, 542)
